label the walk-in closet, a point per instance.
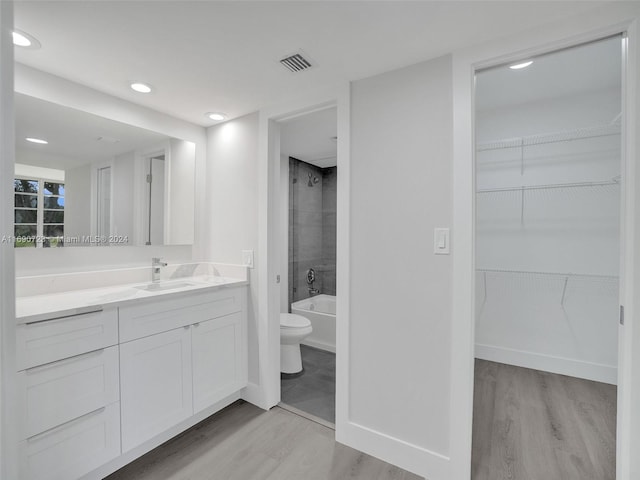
(548, 200)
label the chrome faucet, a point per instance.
(311, 277)
(156, 264)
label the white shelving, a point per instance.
(553, 137)
(609, 185)
(613, 182)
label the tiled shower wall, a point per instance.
(312, 228)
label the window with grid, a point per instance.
(39, 213)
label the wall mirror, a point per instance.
(84, 180)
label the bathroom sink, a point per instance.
(162, 286)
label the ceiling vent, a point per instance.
(296, 63)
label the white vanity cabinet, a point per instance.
(68, 397)
(98, 389)
(198, 360)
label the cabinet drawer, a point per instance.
(74, 448)
(50, 340)
(139, 321)
(58, 392)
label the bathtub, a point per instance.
(321, 311)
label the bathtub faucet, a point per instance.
(311, 277)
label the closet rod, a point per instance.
(555, 274)
(549, 186)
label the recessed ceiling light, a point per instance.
(141, 87)
(23, 39)
(518, 66)
(36, 140)
(216, 116)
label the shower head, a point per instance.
(312, 180)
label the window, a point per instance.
(39, 213)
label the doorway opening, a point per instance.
(548, 250)
(308, 205)
(154, 205)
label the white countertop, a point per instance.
(43, 307)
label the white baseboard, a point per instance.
(549, 363)
(255, 395)
(319, 345)
(408, 456)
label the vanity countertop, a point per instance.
(44, 307)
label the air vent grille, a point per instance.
(296, 63)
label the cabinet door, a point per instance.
(155, 385)
(219, 359)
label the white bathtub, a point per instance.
(321, 311)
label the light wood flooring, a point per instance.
(243, 442)
(533, 425)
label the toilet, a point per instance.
(293, 329)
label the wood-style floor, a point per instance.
(533, 425)
(243, 442)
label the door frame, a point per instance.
(269, 248)
(580, 30)
(8, 386)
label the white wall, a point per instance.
(58, 90)
(122, 178)
(77, 207)
(37, 172)
(8, 397)
(232, 196)
(182, 171)
(401, 148)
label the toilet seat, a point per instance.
(292, 320)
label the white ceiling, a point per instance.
(223, 55)
(311, 137)
(587, 68)
(72, 135)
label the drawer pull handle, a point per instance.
(74, 313)
(66, 424)
(65, 361)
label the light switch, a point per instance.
(247, 258)
(441, 241)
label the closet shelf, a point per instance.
(556, 137)
(613, 182)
